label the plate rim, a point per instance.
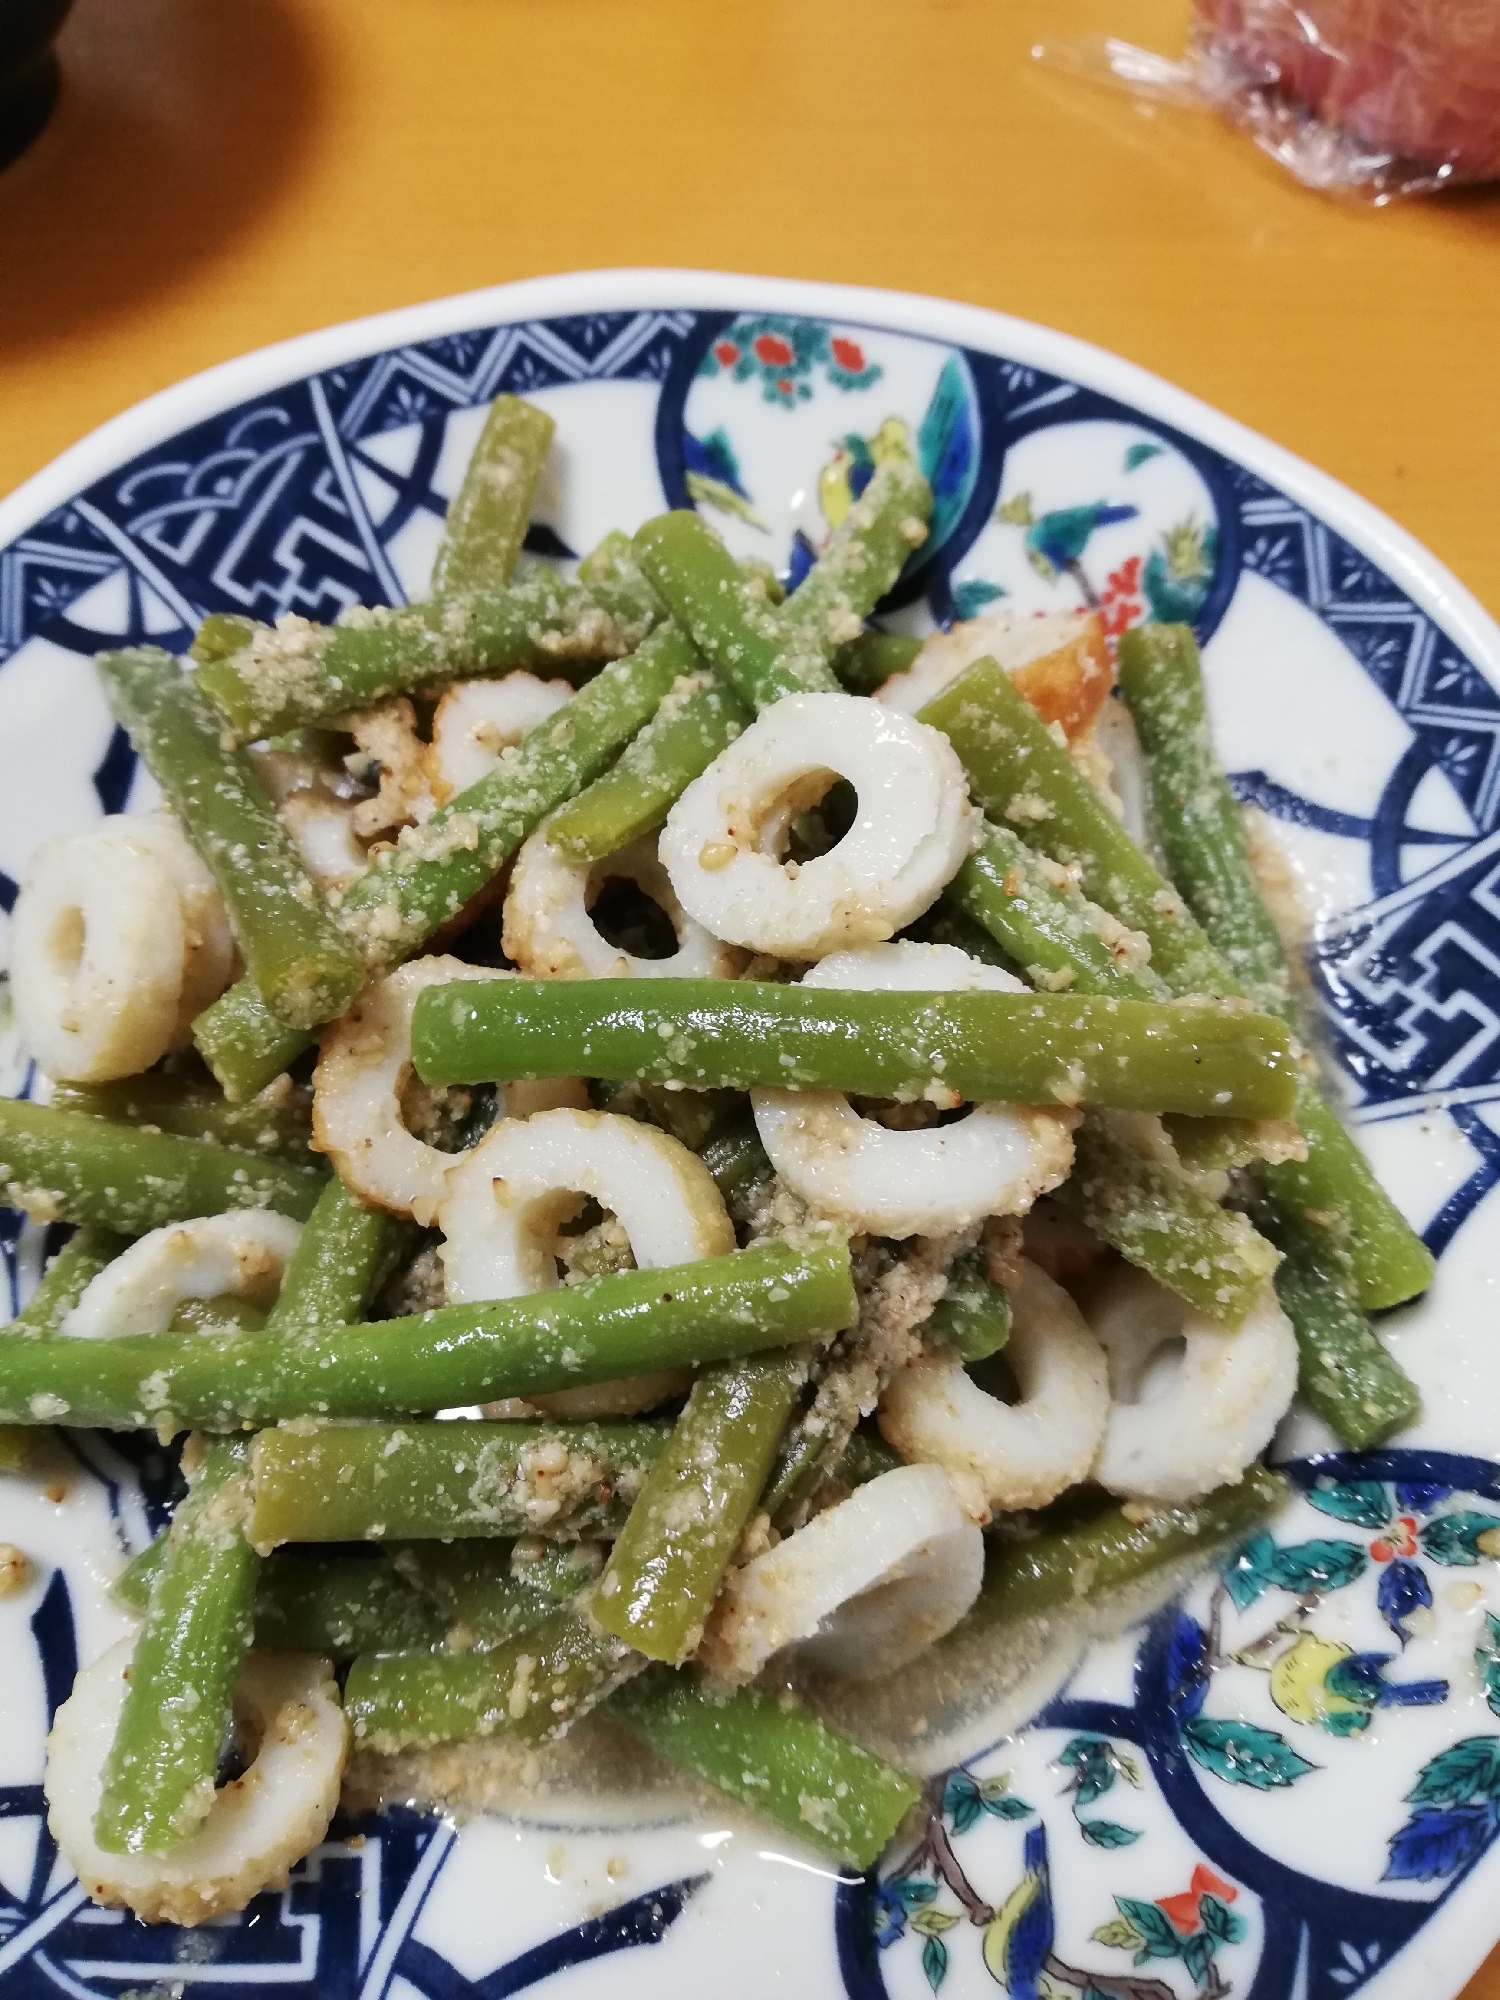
(1453, 1944)
(155, 418)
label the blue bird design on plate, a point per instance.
(1055, 541)
(1018, 1938)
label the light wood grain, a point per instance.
(219, 176)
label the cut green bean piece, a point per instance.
(132, 1587)
(1209, 1255)
(532, 1687)
(693, 1116)
(741, 1171)
(747, 639)
(62, 1165)
(418, 1597)
(799, 1471)
(1036, 913)
(868, 662)
(1023, 777)
(1333, 1192)
(489, 514)
(1014, 1048)
(158, 1778)
(1083, 1550)
(1015, 764)
(278, 1121)
(687, 1315)
(1197, 818)
(429, 1482)
(434, 870)
(1199, 824)
(244, 1044)
(699, 718)
(865, 555)
(304, 967)
(221, 635)
(345, 1254)
(1346, 1372)
(766, 653)
(296, 673)
(779, 1761)
(666, 1567)
(972, 1318)
(24, 1450)
(85, 1254)
(421, 883)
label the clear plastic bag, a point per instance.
(1370, 98)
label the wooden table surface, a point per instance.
(219, 176)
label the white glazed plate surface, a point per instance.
(1197, 1811)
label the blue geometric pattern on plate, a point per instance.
(286, 504)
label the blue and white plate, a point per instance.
(1284, 1786)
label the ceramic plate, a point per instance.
(1198, 1809)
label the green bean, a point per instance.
(972, 1318)
(1199, 825)
(1346, 1372)
(25, 1450)
(431, 1482)
(697, 720)
(80, 1260)
(868, 662)
(1143, 1208)
(693, 1116)
(424, 881)
(158, 1778)
(278, 1121)
(865, 555)
(1017, 1048)
(774, 1295)
(244, 1044)
(780, 1761)
(132, 1587)
(489, 514)
(799, 1471)
(301, 963)
(1024, 778)
(765, 653)
(1334, 1193)
(532, 1687)
(739, 633)
(1014, 763)
(221, 635)
(346, 1252)
(61, 1165)
(669, 1561)
(1081, 1551)
(742, 1173)
(297, 672)
(421, 1596)
(1036, 913)
(1197, 819)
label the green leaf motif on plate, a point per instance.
(1107, 1833)
(1464, 1774)
(1242, 1753)
(1363, 1503)
(1305, 1567)
(1461, 1539)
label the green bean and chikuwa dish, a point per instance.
(659, 1148)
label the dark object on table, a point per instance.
(28, 70)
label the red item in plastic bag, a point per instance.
(1417, 80)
